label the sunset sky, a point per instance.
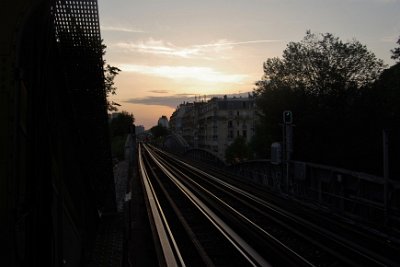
(170, 51)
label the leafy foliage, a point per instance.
(159, 131)
(322, 63)
(338, 102)
(120, 127)
(387, 96)
(237, 151)
(122, 124)
(117, 146)
(109, 75)
(396, 51)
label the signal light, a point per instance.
(287, 117)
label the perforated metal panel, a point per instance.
(77, 34)
(78, 19)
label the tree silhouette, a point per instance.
(109, 75)
(121, 125)
(159, 131)
(396, 51)
(237, 151)
(328, 85)
(320, 64)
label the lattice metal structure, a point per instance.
(77, 29)
(78, 17)
(77, 33)
(56, 172)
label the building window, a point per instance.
(237, 113)
(230, 134)
(230, 124)
(238, 133)
(245, 133)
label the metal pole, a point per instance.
(284, 163)
(289, 149)
(385, 139)
(289, 141)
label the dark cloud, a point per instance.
(174, 100)
(186, 94)
(159, 91)
(169, 101)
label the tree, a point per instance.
(326, 83)
(159, 131)
(322, 63)
(109, 74)
(387, 95)
(396, 51)
(121, 125)
(237, 151)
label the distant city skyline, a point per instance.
(172, 51)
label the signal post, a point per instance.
(287, 138)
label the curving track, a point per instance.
(208, 221)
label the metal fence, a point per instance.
(355, 195)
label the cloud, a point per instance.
(386, 1)
(205, 51)
(389, 39)
(179, 73)
(231, 44)
(169, 101)
(376, 1)
(186, 94)
(120, 29)
(174, 100)
(152, 46)
(159, 91)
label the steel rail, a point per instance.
(170, 251)
(179, 215)
(240, 215)
(354, 247)
(377, 259)
(241, 245)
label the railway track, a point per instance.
(204, 238)
(219, 223)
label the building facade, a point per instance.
(163, 121)
(213, 125)
(139, 129)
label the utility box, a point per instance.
(276, 153)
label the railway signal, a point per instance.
(287, 117)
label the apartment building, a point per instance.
(163, 121)
(213, 125)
